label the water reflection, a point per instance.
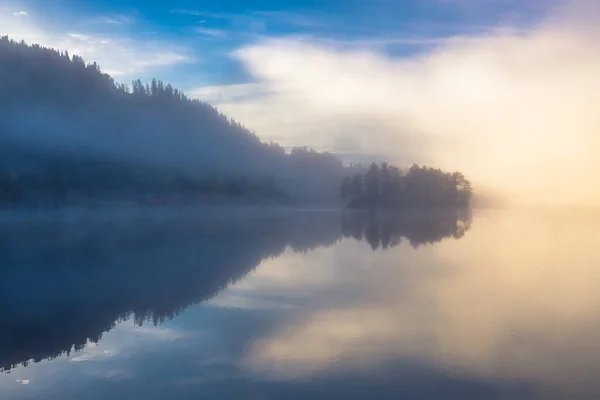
(385, 229)
(68, 278)
(291, 305)
(509, 311)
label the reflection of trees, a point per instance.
(63, 284)
(386, 229)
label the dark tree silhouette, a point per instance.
(372, 185)
(346, 189)
(386, 229)
(385, 182)
(357, 187)
(386, 187)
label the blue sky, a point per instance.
(205, 32)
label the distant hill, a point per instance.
(65, 126)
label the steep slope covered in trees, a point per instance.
(65, 125)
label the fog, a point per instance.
(514, 109)
(62, 120)
(504, 303)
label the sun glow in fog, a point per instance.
(514, 109)
(507, 301)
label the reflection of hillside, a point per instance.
(386, 229)
(64, 283)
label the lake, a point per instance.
(295, 304)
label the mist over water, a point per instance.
(154, 247)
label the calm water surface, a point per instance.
(297, 304)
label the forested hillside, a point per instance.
(67, 128)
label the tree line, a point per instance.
(67, 126)
(386, 186)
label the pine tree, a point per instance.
(154, 88)
(372, 185)
(357, 187)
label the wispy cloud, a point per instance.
(229, 93)
(21, 14)
(233, 300)
(114, 19)
(78, 36)
(91, 352)
(371, 42)
(186, 12)
(159, 333)
(122, 55)
(299, 19)
(215, 33)
(260, 21)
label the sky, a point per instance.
(503, 90)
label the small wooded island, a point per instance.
(385, 186)
(71, 135)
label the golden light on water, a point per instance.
(515, 299)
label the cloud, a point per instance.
(91, 352)
(114, 20)
(123, 56)
(240, 301)
(159, 333)
(236, 92)
(256, 22)
(21, 14)
(185, 12)
(215, 33)
(78, 36)
(512, 108)
(296, 19)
